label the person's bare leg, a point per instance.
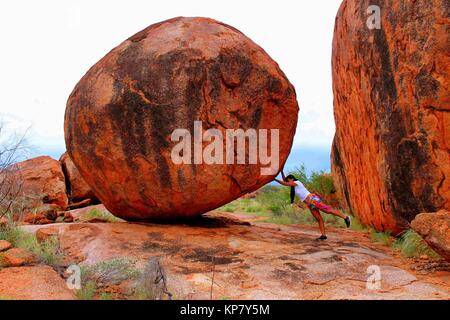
(329, 210)
(334, 212)
(322, 206)
(316, 214)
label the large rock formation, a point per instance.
(435, 229)
(42, 182)
(120, 117)
(391, 85)
(77, 188)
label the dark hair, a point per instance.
(292, 177)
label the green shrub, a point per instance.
(357, 225)
(274, 200)
(276, 208)
(254, 208)
(12, 234)
(318, 182)
(87, 291)
(321, 183)
(95, 213)
(410, 244)
(230, 207)
(140, 292)
(109, 272)
(381, 237)
(300, 174)
(105, 296)
(47, 252)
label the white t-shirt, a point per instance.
(301, 191)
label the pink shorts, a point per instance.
(316, 203)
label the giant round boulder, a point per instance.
(180, 87)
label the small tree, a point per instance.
(12, 149)
(318, 182)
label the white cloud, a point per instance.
(47, 46)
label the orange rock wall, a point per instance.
(390, 156)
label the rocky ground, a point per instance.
(247, 258)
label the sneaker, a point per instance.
(322, 237)
(347, 221)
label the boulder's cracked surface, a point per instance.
(120, 117)
(77, 188)
(391, 152)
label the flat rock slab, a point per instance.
(251, 261)
(33, 283)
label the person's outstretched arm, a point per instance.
(282, 175)
(286, 183)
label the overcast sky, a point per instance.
(47, 46)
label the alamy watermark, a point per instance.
(374, 19)
(73, 281)
(373, 282)
(215, 147)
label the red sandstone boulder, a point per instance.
(33, 283)
(44, 234)
(31, 218)
(43, 182)
(434, 228)
(121, 115)
(390, 156)
(17, 257)
(77, 189)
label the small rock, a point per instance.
(68, 217)
(4, 245)
(51, 215)
(434, 227)
(44, 234)
(49, 210)
(424, 257)
(36, 219)
(17, 257)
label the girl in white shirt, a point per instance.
(313, 201)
